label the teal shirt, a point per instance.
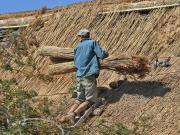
(86, 58)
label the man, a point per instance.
(86, 59)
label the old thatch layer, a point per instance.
(135, 33)
(144, 6)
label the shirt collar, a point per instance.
(85, 39)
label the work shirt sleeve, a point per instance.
(99, 52)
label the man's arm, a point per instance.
(99, 52)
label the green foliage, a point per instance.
(43, 10)
(78, 131)
(46, 78)
(31, 62)
(13, 55)
(19, 62)
(18, 44)
(117, 129)
(5, 84)
(143, 124)
(12, 58)
(43, 106)
(16, 106)
(31, 128)
(6, 66)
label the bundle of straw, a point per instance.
(122, 64)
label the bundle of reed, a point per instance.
(134, 66)
(57, 53)
(123, 64)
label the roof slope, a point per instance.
(156, 98)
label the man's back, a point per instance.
(86, 57)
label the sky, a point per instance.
(11, 6)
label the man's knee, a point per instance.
(87, 102)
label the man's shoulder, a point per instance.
(87, 42)
(90, 42)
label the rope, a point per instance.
(142, 8)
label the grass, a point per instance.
(31, 62)
(117, 129)
(13, 55)
(46, 78)
(16, 106)
(142, 124)
(6, 67)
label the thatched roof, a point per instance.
(152, 33)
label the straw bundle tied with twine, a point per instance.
(62, 59)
